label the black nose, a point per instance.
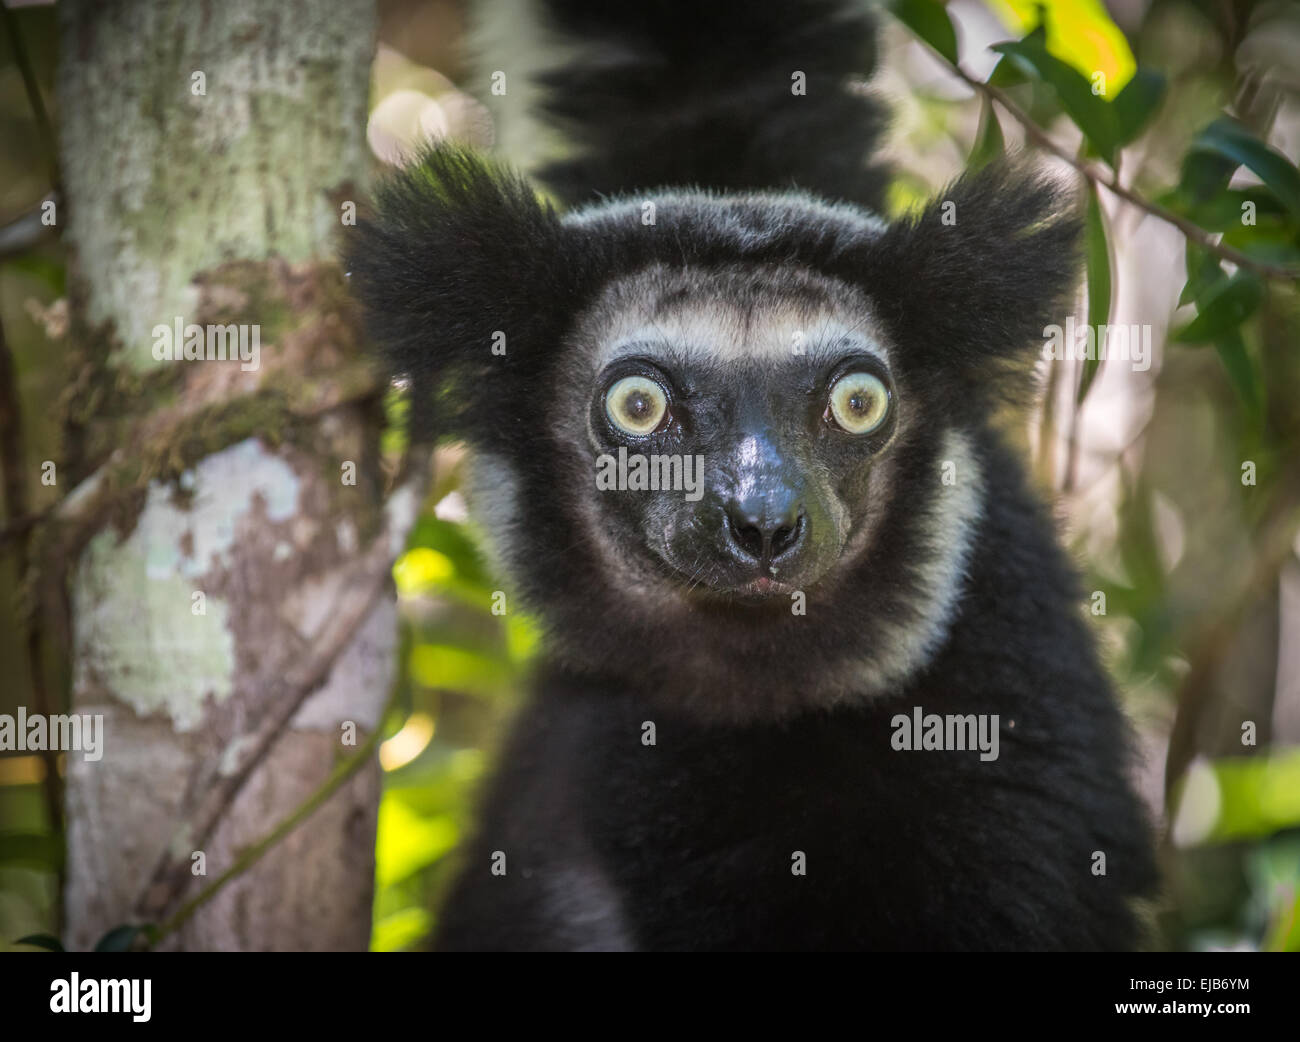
(764, 533)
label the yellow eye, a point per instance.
(859, 403)
(636, 405)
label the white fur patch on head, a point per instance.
(729, 315)
(734, 210)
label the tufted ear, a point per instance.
(969, 284)
(462, 275)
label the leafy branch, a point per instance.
(1110, 181)
(1108, 126)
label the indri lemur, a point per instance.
(708, 759)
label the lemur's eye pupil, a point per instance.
(636, 405)
(859, 403)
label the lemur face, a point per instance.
(736, 424)
(813, 382)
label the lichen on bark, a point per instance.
(184, 182)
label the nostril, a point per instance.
(763, 541)
(746, 536)
(786, 536)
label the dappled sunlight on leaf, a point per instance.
(459, 669)
(406, 842)
(420, 570)
(401, 930)
(1080, 33)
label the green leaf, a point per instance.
(1137, 103)
(1203, 272)
(42, 940)
(1079, 32)
(1269, 245)
(1257, 797)
(31, 850)
(405, 842)
(989, 144)
(1203, 176)
(401, 930)
(1222, 304)
(448, 667)
(1223, 211)
(1008, 72)
(1240, 368)
(929, 20)
(1222, 308)
(118, 939)
(455, 542)
(1094, 116)
(1097, 250)
(51, 274)
(1227, 138)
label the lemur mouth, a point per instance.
(759, 588)
(762, 589)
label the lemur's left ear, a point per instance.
(461, 273)
(972, 280)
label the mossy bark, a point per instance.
(206, 151)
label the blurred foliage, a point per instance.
(463, 667)
(1197, 105)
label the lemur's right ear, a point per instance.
(460, 271)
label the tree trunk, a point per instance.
(209, 155)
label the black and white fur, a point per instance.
(930, 571)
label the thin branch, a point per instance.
(252, 854)
(1111, 183)
(43, 126)
(25, 231)
(17, 527)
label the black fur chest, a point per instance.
(815, 834)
